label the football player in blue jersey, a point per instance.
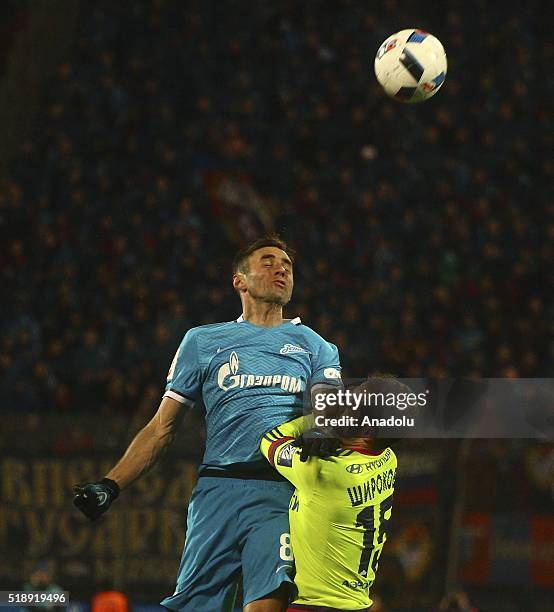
(251, 374)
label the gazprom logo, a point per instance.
(234, 362)
(231, 367)
(228, 378)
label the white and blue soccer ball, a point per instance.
(411, 65)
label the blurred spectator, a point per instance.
(41, 579)
(456, 602)
(13, 16)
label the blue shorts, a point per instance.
(234, 526)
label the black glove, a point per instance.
(316, 443)
(94, 498)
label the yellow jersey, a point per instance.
(338, 517)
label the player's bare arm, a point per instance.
(93, 499)
(150, 442)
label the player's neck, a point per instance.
(262, 313)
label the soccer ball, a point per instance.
(411, 65)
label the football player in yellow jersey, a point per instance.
(339, 512)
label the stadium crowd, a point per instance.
(176, 130)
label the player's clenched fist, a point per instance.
(94, 498)
(316, 443)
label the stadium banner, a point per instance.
(139, 542)
(507, 550)
(436, 408)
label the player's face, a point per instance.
(269, 277)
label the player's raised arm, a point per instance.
(149, 443)
(93, 499)
(183, 386)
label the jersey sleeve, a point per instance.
(326, 366)
(276, 446)
(184, 379)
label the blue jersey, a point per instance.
(250, 379)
